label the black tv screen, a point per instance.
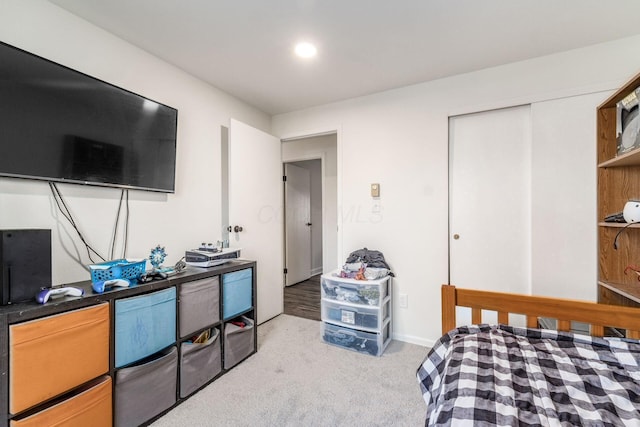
(57, 124)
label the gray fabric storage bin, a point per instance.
(143, 391)
(238, 342)
(199, 304)
(199, 363)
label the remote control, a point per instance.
(107, 285)
(44, 295)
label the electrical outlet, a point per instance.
(404, 301)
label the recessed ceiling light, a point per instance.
(305, 50)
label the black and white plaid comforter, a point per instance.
(506, 376)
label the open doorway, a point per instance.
(310, 232)
(303, 220)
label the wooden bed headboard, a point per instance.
(563, 310)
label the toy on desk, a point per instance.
(157, 256)
(153, 275)
(180, 266)
(118, 269)
(44, 295)
(107, 285)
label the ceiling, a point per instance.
(244, 47)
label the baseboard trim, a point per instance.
(316, 271)
(413, 340)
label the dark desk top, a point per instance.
(31, 310)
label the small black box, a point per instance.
(25, 264)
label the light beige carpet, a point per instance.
(295, 379)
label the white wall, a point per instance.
(178, 221)
(399, 139)
(321, 147)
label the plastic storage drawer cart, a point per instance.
(144, 325)
(356, 314)
(199, 305)
(199, 363)
(145, 390)
(372, 343)
(55, 354)
(237, 294)
(238, 342)
(89, 406)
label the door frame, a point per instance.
(309, 156)
(337, 130)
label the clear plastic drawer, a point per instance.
(352, 339)
(355, 315)
(363, 292)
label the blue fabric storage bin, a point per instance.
(237, 292)
(144, 325)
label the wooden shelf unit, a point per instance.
(618, 182)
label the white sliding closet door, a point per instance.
(490, 201)
(564, 232)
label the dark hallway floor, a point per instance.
(303, 299)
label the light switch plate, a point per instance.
(375, 190)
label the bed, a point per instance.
(496, 374)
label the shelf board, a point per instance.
(617, 224)
(631, 292)
(632, 158)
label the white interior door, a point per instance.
(490, 200)
(297, 198)
(255, 204)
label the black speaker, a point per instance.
(25, 264)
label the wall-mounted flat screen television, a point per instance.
(57, 124)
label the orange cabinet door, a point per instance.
(90, 407)
(52, 355)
